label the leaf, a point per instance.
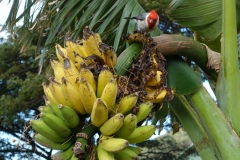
(125, 58)
(163, 112)
(181, 78)
(126, 13)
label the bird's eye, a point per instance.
(152, 21)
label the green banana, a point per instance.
(127, 103)
(111, 144)
(144, 110)
(112, 125)
(141, 134)
(63, 154)
(109, 93)
(56, 110)
(136, 150)
(103, 154)
(103, 78)
(46, 109)
(51, 144)
(99, 113)
(126, 154)
(40, 127)
(69, 115)
(73, 157)
(56, 124)
(129, 125)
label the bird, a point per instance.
(146, 22)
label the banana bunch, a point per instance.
(121, 130)
(147, 72)
(55, 127)
(74, 84)
(84, 97)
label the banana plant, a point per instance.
(212, 125)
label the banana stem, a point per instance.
(228, 83)
(82, 142)
(221, 134)
(191, 124)
(170, 45)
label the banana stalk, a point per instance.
(189, 119)
(83, 140)
(229, 76)
(213, 121)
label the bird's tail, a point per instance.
(128, 18)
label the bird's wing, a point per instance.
(140, 16)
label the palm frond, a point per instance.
(203, 16)
(55, 18)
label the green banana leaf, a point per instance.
(181, 78)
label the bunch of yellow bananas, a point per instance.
(84, 86)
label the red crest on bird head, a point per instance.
(152, 19)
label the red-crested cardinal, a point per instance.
(146, 22)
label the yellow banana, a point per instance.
(87, 95)
(129, 125)
(104, 77)
(88, 75)
(51, 144)
(48, 93)
(63, 154)
(110, 54)
(61, 53)
(70, 54)
(126, 154)
(109, 93)
(97, 38)
(90, 44)
(78, 49)
(127, 103)
(103, 154)
(112, 125)
(40, 127)
(58, 69)
(79, 61)
(71, 72)
(56, 91)
(99, 113)
(155, 80)
(155, 95)
(154, 60)
(69, 115)
(141, 134)
(112, 144)
(71, 95)
(144, 110)
(56, 124)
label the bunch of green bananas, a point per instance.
(84, 86)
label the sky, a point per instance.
(5, 7)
